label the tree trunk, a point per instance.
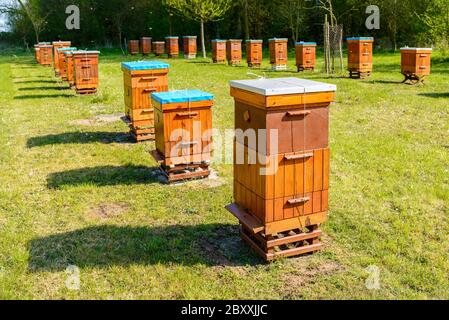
(203, 44)
(246, 18)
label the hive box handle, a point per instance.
(423, 67)
(298, 113)
(149, 90)
(187, 114)
(188, 144)
(298, 156)
(299, 200)
(148, 78)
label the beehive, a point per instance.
(254, 49)
(281, 172)
(360, 56)
(278, 53)
(158, 48)
(172, 45)
(69, 67)
(46, 54)
(183, 121)
(85, 71)
(56, 46)
(140, 79)
(189, 47)
(234, 52)
(62, 61)
(145, 45)
(305, 55)
(218, 51)
(36, 52)
(133, 47)
(415, 64)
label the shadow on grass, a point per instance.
(435, 94)
(105, 176)
(42, 96)
(43, 88)
(79, 137)
(107, 246)
(36, 81)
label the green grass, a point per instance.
(78, 194)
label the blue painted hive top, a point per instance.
(303, 43)
(181, 96)
(218, 40)
(67, 49)
(360, 39)
(145, 65)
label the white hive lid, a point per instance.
(417, 49)
(282, 86)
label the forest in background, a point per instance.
(109, 23)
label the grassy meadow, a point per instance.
(74, 190)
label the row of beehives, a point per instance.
(281, 199)
(78, 67)
(170, 46)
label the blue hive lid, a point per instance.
(218, 40)
(303, 43)
(66, 49)
(145, 65)
(283, 39)
(360, 38)
(172, 37)
(181, 96)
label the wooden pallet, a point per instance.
(254, 65)
(279, 67)
(414, 78)
(181, 172)
(173, 56)
(84, 92)
(301, 69)
(359, 75)
(139, 134)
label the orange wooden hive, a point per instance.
(158, 48)
(140, 79)
(234, 52)
(63, 62)
(254, 50)
(56, 46)
(281, 183)
(189, 47)
(360, 57)
(305, 55)
(415, 64)
(36, 52)
(278, 53)
(133, 47)
(145, 45)
(172, 45)
(218, 51)
(46, 54)
(183, 121)
(85, 71)
(69, 67)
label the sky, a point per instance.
(3, 26)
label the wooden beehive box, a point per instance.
(85, 71)
(282, 185)
(278, 53)
(305, 55)
(183, 121)
(69, 67)
(234, 52)
(46, 54)
(415, 63)
(189, 47)
(254, 50)
(63, 62)
(145, 45)
(36, 52)
(56, 46)
(218, 51)
(140, 80)
(133, 47)
(360, 56)
(158, 48)
(172, 45)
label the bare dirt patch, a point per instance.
(98, 120)
(109, 210)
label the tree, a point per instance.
(203, 11)
(293, 12)
(31, 8)
(436, 20)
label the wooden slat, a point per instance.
(246, 219)
(294, 238)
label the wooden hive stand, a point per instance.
(145, 45)
(415, 64)
(281, 183)
(133, 47)
(158, 48)
(189, 47)
(172, 44)
(140, 80)
(360, 57)
(63, 67)
(234, 52)
(218, 51)
(254, 50)
(56, 46)
(278, 53)
(305, 56)
(183, 121)
(45, 54)
(85, 71)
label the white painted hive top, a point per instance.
(282, 86)
(417, 49)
